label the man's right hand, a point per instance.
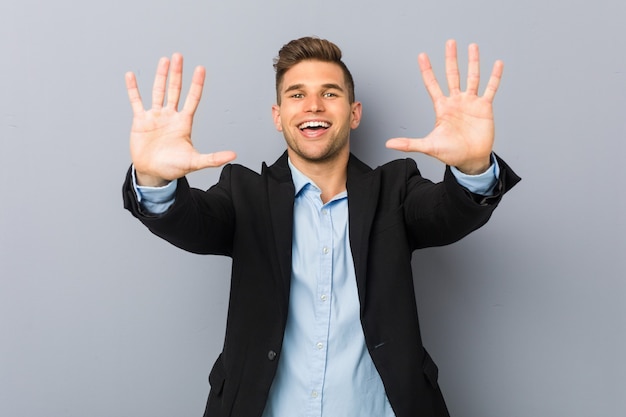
(160, 138)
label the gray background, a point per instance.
(526, 317)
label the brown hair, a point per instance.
(310, 48)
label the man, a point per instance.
(322, 319)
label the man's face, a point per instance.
(315, 114)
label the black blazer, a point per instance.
(248, 216)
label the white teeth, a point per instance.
(314, 123)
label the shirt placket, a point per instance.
(322, 308)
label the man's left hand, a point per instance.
(464, 129)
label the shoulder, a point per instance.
(356, 166)
(238, 170)
(399, 170)
(399, 165)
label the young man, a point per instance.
(322, 319)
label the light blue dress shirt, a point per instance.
(324, 367)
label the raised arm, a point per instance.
(464, 128)
(160, 140)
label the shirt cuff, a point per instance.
(482, 184)
(155, 200)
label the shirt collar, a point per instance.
(299, 179)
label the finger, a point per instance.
(452, 68)
(216, 159)
(175, 81)
(494, 80)
(158, 88)
(473, 70)
(133, 93)
(428, 76)
(195, 90)
(410, 145)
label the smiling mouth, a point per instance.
(314, 125)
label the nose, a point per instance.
(314, 104)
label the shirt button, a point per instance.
(271, 355)
(324, 211)
(324, 297)
(319, 345)
(325, 250)
(314, 394)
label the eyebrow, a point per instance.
(327, 86)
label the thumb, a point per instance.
(211, 160)
(409, 145)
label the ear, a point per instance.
(276, 116)
(357, 110)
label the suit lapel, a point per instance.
(281, 194)
(363, 187)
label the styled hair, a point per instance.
(310, 48)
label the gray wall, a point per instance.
(98, 318)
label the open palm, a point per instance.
(464, 128)
(160, 140)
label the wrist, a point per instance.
(145, 180)
(475, 168)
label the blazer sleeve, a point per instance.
(443, 213)
(198, 221)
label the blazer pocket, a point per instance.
(431, 372)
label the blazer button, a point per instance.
(271, 355)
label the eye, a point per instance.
(297, 95)
(328, 95)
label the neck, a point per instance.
(330, 175)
